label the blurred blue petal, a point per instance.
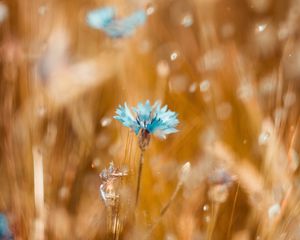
(125, 117)
(4, 228)
(156, 120)
(105, 19)
(101, 18)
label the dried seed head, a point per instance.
(185, 172)
(218, 193)
(109, 187)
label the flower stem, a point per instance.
(211, 227)
(113, 216)
(232, 212)
(168, 204)
(139, 177)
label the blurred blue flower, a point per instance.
(105, 20)
(153, 119)
(4, 228)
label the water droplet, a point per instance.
(205, 207)
(274, 210)
(162, 68)
(263, 138)
(174, 56)
(261, 27)
(150, 9)
(204, 85)
(193, 87)
(105, 121)
(187, 20)
(265, 38)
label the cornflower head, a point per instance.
(146, 119)
(105, 19)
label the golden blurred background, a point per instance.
(229, 68)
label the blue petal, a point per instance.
(104, 19)
(156, 120)
(134, 20)
(164, 122)
(125, 26)
(124, 115)
(4, 227)
(143, 111)
(101, 18)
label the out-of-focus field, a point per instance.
(230, 68)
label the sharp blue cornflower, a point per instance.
(146, 119)
(105, 20)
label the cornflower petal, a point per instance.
(154, 119)
(101, 18)
(124, 115)
(105, 20)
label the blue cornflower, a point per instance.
(149, 119)
(105, 20)
(145, 120)
(4, 228)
